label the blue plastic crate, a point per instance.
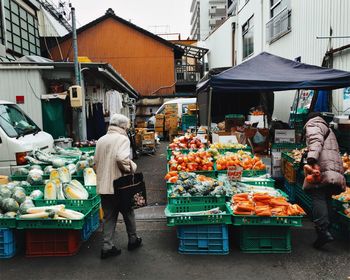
(203, 239)
(92, 223)
(7, 243)
(290, 190)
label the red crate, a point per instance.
(52, 242)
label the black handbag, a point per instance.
(130, 191)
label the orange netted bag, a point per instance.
(279, 211)
(279, 201)
(263, 211)
(245, 206)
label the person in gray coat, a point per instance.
(112, 161)
(323, 153)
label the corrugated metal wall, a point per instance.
(27, 83)
(144, 62)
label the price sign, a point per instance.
(234, 173)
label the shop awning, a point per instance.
(267, 72)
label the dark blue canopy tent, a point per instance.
(263, 73)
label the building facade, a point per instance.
(206, 15)
(291, 29)
(24, 24)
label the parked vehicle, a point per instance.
(182, 104)
(18, 136)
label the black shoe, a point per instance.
(110, 253)
(135, 245)
(323, 238)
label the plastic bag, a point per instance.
(259, 138)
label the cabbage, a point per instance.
(9, 204)
(19, 188)
(11, 185)
(35, 166)
(91, 161)
(36, 171)
(21, 171)
(28, 203)
(19, 196)
(5, 192)
(24, 184)
(37, 194)
(35, 178)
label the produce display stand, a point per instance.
(52, 237)
(206, 234)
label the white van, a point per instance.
(181, 107)
(18, 136)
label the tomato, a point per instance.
(180, 160)
(218, 166)
(179, 167)
(210, 168)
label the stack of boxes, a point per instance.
(171, 118)
(159, 126)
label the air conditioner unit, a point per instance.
(178, 62)
(193, 77)
(212, 11)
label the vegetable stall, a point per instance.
(52, 201)
(215, 188)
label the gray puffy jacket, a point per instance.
(325, 152)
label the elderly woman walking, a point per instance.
(323, 155)
(112, 161)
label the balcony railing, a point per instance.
(187, 74)
(278, 26)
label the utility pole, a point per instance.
(79, 115)
(75, 49)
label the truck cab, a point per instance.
(19, 135)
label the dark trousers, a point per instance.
(111, 212)
(321, 207)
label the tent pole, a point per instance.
(209, 108)
(296, 107)
(314, 100)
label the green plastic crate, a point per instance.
(231, 150)
(52, 224)
(290, 159)
(197, 219)
(338, 205)
(263, 182)
(74, 204)
(265, 239)
(347, 178)
(285, 221)
(88, 150)
(286, 146)
(180, 200)
(8, 223)
(303, 198)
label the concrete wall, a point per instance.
(27, 83)
(219, 44)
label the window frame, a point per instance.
(21, 29)
(249, 24)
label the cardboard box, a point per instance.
(224, 137)
(148, 136)
(171, 123)
(141, 124)
(159, 116)
(160, 123)
(284, 136)
(159, 129)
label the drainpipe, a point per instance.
(262, 24)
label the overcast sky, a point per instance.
(171, 16)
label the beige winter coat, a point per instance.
(112, 159)
(325, 151)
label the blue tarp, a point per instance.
(267, 72)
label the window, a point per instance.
(248, 38)
(14, 122)
(21, 30)
(276, 6)
(280, 22)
